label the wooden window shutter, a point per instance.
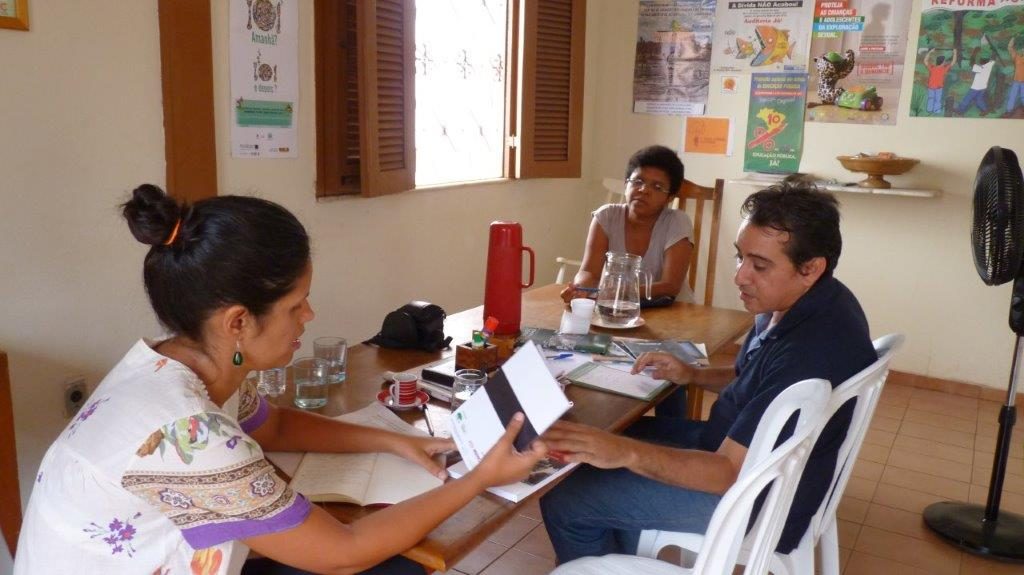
(386, 87)
(551, 114)
(337, 98)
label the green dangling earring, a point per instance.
(237, 358)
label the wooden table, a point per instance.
(542, 307)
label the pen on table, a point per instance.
(426, 417)
(624, 349)
(565, 355)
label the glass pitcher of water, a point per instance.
(618, 294)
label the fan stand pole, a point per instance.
(984, 530)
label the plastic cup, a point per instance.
(310, 375)
(334, 351)
(467, 381)
(583, 307)
(271, 382)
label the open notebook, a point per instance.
(361, 478)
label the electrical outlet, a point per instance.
(75, 394)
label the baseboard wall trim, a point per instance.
(963, 388)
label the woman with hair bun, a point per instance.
(156, 474)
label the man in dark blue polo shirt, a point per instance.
(669, 473)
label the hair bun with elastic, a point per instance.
(153, 216)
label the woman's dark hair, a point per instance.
(810, 216)
(224, 250)
(662, 158)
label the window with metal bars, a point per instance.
(366, 62)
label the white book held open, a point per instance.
(523, 384)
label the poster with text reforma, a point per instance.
(969, 60)
(761, 36)
(673, 56)
(872, 36)
(775, 123)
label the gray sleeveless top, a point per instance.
(671, 227)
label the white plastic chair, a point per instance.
(866, 386)
(777, 468)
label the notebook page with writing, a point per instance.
(603, 377)
(364, 478)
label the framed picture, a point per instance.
(14, 14)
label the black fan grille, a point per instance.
(998, 217)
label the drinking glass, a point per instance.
(271, 381)
(310, 374)
(466, 382)
(334, 351)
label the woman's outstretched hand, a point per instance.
(503, 464)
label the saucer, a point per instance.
(385, 397)
(601, 323)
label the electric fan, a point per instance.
(998, 241)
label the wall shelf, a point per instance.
(852, 188)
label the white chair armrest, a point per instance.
(563, 264)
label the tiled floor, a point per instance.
(923, 446)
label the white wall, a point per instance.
(907, 259)
(81, 125)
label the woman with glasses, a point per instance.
(643, 226)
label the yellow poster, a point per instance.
(708, 136)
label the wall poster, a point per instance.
(775, 122)
(264, 55)
(673, 56)
(762, 36)
(970, 60)
(867, 41)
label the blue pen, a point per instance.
(565, 355)
(586, 289)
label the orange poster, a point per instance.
(708, 136)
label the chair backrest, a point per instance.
(776, 470)
(700, 197)
(866, 388)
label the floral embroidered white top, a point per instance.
(153, 477)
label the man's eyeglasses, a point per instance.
(638, 183)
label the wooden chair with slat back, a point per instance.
(10, 494)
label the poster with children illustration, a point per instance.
(970, 60)
(858, 51)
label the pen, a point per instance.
(565, 355)
(624, 349)
(586, 289)
(426, 417)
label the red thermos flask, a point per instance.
(503, 291)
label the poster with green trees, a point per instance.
(970, 60)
